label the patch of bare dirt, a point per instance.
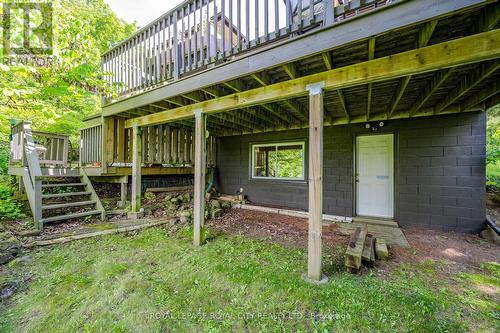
(460, 252)
(286, 230)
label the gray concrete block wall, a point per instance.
(439, 171)
(448, 188)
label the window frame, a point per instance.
(277, 144)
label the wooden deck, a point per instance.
(372, 35)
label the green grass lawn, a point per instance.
(154, 281)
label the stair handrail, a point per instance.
(31, 159)
(25, 151)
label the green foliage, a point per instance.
(57, 98)
(280, 161)
(4, 159)
(493, 136)
(493, 147)
(9, 208)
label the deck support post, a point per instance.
(123, 195)
(315, 183)
(108, 141)
(136, 173)
(199, 178)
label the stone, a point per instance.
(20, 261)
(225, 204)
(8, 289)
(216, 213)
(149, 196)
(185, 216)
(29, 233)
(490, 235)
(215, 204)
(5, 257)
(122, 204)
(135, 215)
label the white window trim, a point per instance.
(279, 144)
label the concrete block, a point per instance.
(439, 200)
(430, 171)
(457, 171)
(456, 191)
(444, 222)
(471, 181)
(444, 161)
(444, 141)
(430, 209)
(471, 160)
(456, 211)
(457, 151)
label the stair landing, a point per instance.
(387, 229)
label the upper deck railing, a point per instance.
(199, 33)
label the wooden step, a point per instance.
(69, 194)
(376, 221)
(68, 204)
(51, 172)
(70, 216)
(63, 185)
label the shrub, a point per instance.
(4, 160)
(9, 208)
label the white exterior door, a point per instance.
(375, 175)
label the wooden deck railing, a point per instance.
(198, 33)
(53, 148)
(161, 145)
(50, 148)
(91, 145)
(169, 146)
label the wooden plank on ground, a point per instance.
(353, 254)
(381, 249)
(366, 257)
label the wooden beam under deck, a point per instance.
(431, 58)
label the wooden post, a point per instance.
(199, 178)
(123, 195)
(120, 140)
(315, 181)
(37, 213)
(136, 173)
(108, 141)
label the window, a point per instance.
(278, 161)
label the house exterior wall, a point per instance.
(439, 171)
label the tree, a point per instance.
(58, 97)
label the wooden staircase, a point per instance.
(68, 197)
(55, 191)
